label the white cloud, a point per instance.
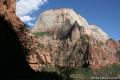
(31, 24)
(26, 7)
(26, 18)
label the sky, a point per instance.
(103, 13)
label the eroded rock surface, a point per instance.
(69, 40)
(17, 44)
(61, 39)
(52, 19)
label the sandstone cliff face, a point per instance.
(104, 54)
(51, 19)
(66, 39)
(61, 39)
(17, 44)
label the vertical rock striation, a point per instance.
(73, 42)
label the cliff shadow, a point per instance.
(13, 57)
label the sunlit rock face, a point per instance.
(61, 38)
(66, 39)
(52, 19)
(97, 33)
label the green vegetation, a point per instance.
(48, 68)
(84, 73)
(76, 73)
(41, 34)
(113, 70)
(41, 45)
(84, 40)
(81, 27)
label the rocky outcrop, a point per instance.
(104, 54)
(61, 39)
(69, 40)
(18, 46)
(52, 19)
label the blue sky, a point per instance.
(103, 13)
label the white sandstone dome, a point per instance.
(51, 19)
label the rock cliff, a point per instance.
(51, 19)
(66, 39)
(61, 38)
(17, 44)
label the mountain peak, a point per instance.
(67, 36)
(51, 19)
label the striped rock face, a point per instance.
(61, 38)
(52, 19)
(66, 39)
